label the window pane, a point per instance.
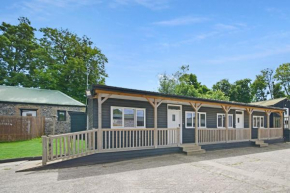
(117, 117)
(128, 117)
(193, 119)
(140, 118)
(230, 121)
(189, 119)
(220, 123)
(262, 121)
(61, 116)
(258, 121)
(202, 120)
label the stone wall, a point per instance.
(47, 111)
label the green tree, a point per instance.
(223, 85)
(17, 46)
(217, 95)
(63, 59)
(268, 76)
(167, 85)
(278, 92)
(186, 84)
(283, 77)
(241, 91)
(259, 88)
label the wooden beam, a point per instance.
(159, 103)
(151, 103)
(179, 100)
(108, 96)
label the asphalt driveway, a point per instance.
(249, 169)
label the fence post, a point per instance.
(178, 136)
(44, 150)
(99, 139)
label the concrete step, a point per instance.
(196, 152)
(258, 142)
(193, 148)
(264, 145)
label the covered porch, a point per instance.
(127, 120)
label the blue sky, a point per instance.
(144, 38)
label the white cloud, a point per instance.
(181, 21)
(150, 4)
(46, 7)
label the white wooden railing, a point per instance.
(270, 133)
(219, 135)
(78, 144)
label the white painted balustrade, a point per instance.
(78, 144)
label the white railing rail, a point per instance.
(270, 133)
(78, 144)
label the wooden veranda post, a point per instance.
(250, 112)
(281, 121)
(100, 133)
(155, 106)
(44, 150)
(268, 112)
(196, 107)
(226, 110)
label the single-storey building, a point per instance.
(54, 105)
(281, 103)
(127, 123)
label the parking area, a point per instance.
(248, 169)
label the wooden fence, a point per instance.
(270, 133)
(78, 144)
(14, 128)
(219, 135)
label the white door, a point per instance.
(173, 118)
(239, 119)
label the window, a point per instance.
(258, 121)
(277, 122)
(221, 120)
(61, 115)
(286, 112)
(190, 119)
(173, 117)
(28, 113)
(126, 117)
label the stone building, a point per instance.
(54, 105)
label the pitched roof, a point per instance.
(150, 93)
(36, 96)
(269, 102)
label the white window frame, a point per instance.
(258, 118)
(223, 124)
(123, 117)
(193, 125)
(286, 112)
(199, 119)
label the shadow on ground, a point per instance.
(74, 172)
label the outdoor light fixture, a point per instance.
(88, 93)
